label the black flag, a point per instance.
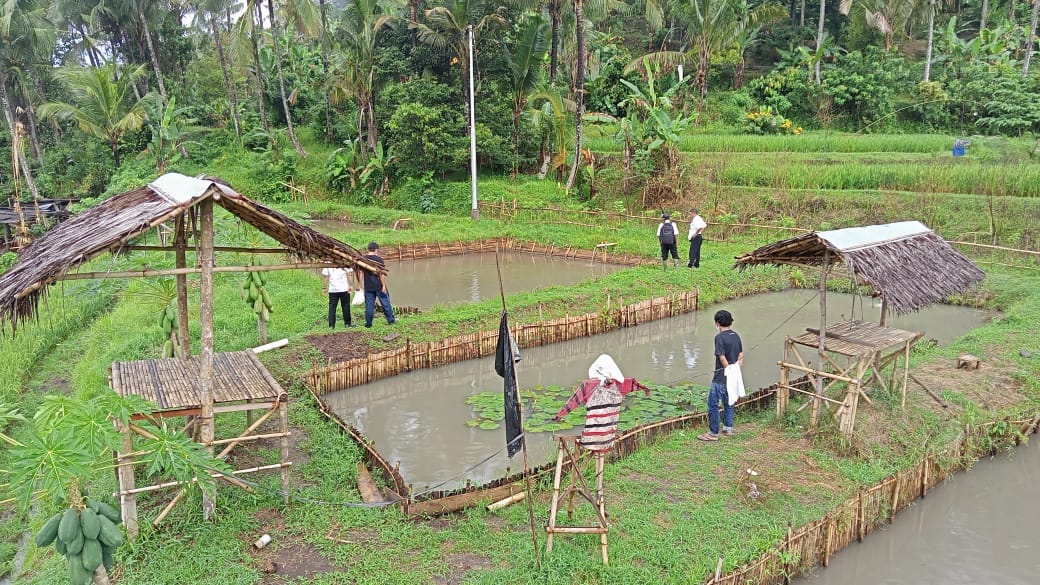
(506, 356)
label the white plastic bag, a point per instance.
(359, 298)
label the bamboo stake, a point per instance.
(520, 413)
(206, 351)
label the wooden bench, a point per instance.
(968, 362)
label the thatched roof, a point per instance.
(908, 263)
(114, 222)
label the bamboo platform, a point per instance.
(857, 338)
(173, 384)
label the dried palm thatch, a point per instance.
(114, 222)
(908, 263)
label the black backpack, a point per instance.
(667, 232)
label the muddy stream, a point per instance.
(977, 527)
(419, 418)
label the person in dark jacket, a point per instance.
(375, 288)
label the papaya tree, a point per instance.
(67, 446)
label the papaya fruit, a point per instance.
(91, 555)
(106, 557)
(49, 532)
(110, 533)
(60, 546)
(76, 546)
(68, 528)
(256, 279)
(109, 511)
(263, 278)
(78, 574)
(89, 523)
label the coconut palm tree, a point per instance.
(446, 28)
(245, 38)
(275, 35)
(579, 88)
(103, 107)
(361, 26)
(145, 29)
(1031, 39)
(211, 13)
(26, 39)
(525, 57)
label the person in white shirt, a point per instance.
(697, 225)
(337, 285)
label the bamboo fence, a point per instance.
(429, 354)
(814, 544)
(458, 248)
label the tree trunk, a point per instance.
(15, 139)
(256, 64)
(579, 88)
(232, 97)
(801, 15)
(151, 51)
(275, 34)
(703, 63)
(325, 68)
(983, 15)
(819, 39)
(114, 145)
(554, 48)
(370, 115)
(413, 21)
(928, 51)
(91, 51)
(1031, 39)
(738, 72)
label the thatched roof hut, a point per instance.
(110, 225)
(907, 262)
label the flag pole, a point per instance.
(523, 433)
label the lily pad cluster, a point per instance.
(541, 403)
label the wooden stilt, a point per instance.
(283, 413)
(576, 486)
(206, 339)
(127, 501)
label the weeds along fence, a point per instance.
(429, 354)
(813, 544)
(436, 250)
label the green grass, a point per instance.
(663, 499)
(808, 142)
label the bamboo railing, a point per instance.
(438, 249)
(429, 354)
(814, 544)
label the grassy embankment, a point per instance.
(676, 505)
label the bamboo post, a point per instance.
(906, 371)
(860, 518)
(895, 498)
(884, 311)
(827, 541)
(520, 412)
(127, 500)
(206, 338)
(283, 414)
(815, 411)
(180, 245)
(924, 476)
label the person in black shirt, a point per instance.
(728, 350)
(375, 288)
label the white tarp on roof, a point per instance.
(180, 189)
(872, 235)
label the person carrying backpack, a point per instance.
(666, 236)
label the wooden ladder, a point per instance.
(577, 462)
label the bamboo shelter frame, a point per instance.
(907, 263)
(187, 203)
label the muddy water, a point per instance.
(473, 277)
(977, 527)
(418, 419)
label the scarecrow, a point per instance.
(601, 394)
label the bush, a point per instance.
(427, 139)
(765, 121)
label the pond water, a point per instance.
(976, 527)
(419, 418)
(473, 277)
